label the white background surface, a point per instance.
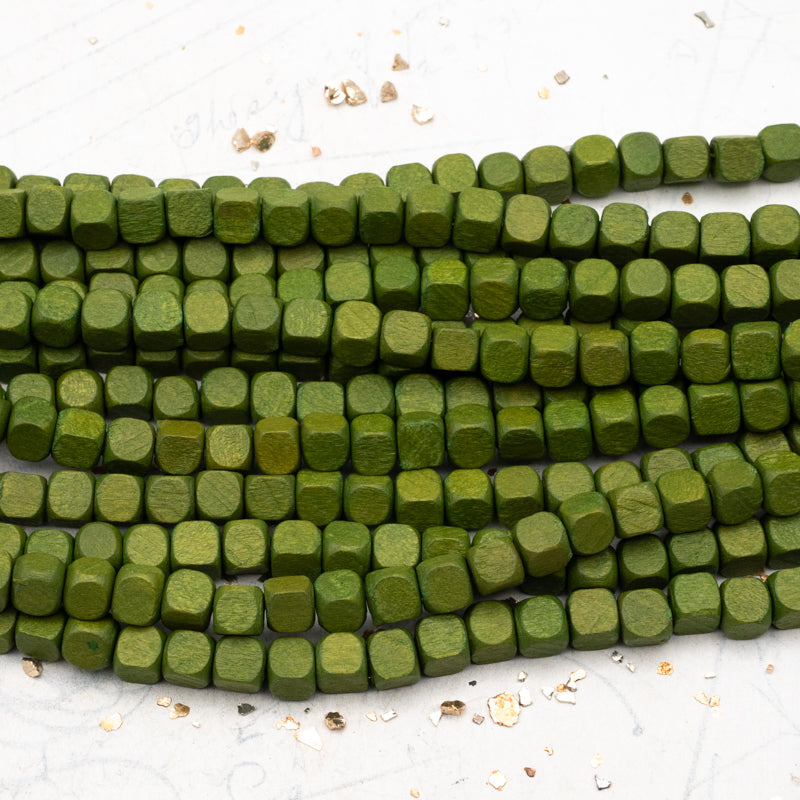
(160, 93)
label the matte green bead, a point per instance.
(543, 288)
(245, 547)
(636, 508)
(742, 548)
(219, 495)
(454, 349)
(542, 542)
(140, 213)
(148, 545)
(442, 644)
(205, 258)
(12, 540)
(780, 477)
(504, 353)
(593, 619)
(780, 145)
(706, 355)
(16, 361)
(693, 552)
(373, 444)
(588, 521)
(229, 447)
(93, 219)
(322, 397)
(548, 173)
(78, 438)
(444, 540)
(518, 493)
(224, 396)
(615, 475)
(392, 595)
(137, 595)
(444, 289)
(643, 563)
(37, 583)
(8, 621)
(783, 541)
(455, 172)
(162, 257)
(31, 428)
(380, 215)
(444, 583)
(12, 212)
(296, 549)
(405, 339)
(775, 234)
(478, 219)
(291, 668)
(664, 416)
(196, 545)
(188, 658)
(714, 409)
(369, 394)
(341, 663)
(396, 283)
(645, 617)
(753, 445)
(355, 333)
(724, 239)
(687, 159)
(269, 497)
(51, 540)
(22, 497)
(306, 327)
(206, 321)
(623, 233)
(554, 355)
(494, 566)
(129, 392)
(520, 434)
(419, 498)
(47, 210)
(419, 392)
(319, 496)
(645, 288)
(790, 351)
(55, 316)
(593, 290)
(745, 293)
(89, 644)
(334, 216)
(272, 394)
(494, 286)
(695, 296)
(31, 384)
(238, 611)
(55, 361)
(80, 388)
(746, 608)
(468, 498)
(179, 446)
(111, 267)
(615, 421)
(237, 215)
(685, 500)
(348, 280)
(736, 492)
(340, 600)
(541, 627)
(604, 358)
(40, 637)
(598, 571)
(470, 436)
(157, 321)
(393, 659)
(420, 440)
(526, 225)
(325, 440)
(695, 603)
(346, 546)
(654, 350)
(18, 261)
(239, 664)
(187, 600)
(80, 181)
(502, 172)
(595, 165)
(169, 499)
(428, 215)
(276, 445)
(783, 588)
(129, 446)
(88, 588)
(491, 632)
(765, 405)
(285, 216)
(15, 319)
(563, 480)
(641, 161)
(736, 159)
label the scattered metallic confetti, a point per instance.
(93, 40)
(435, 717)
(525, 697)
(548, 692)
(497, 780)
(263, 140)
(254, 165)
(544, 93)
(687, 198)
(113, 722)
(478, 719)
(371, 716)
(522, 677)
(602, 783)
(444, 21)
(389, 715)
(453, 708)
(665, 668)
(577, 675)
(504, 709)
(704, 18)
(32, 667)
(566, 697)
(309, 737)
(483, 68)
(179, 710)
(288, 724)
(713, 701)
(399, 63)
(334, 96)
(561, 687)
(240, 30)
(244, 709)
(530, 772)
(422, 115)
(473, 683)
(548, 750)
(315, 152)
(595, 761)
(770, 669)
(164, 702)
(710, 675)
(701, 698)
(414, 792)
(196, 725)
(240, 140)
(353, 94)
(561, 77)
(616, 657)
(335, 721)
(388, 92)
(631, 667)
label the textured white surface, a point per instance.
(160, 93)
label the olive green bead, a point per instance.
(238, 611)
(541, 627)
(245, 547)
(341, 663)
(444, 289)
(454, 349)
(269, 497)
(307, 256)
(495, 565)
(334, 215)
(37, 583)
(442, 644)
(296, 549)
(753, 445)
(16, 361)
(780, 478)
(380, 215)
(419, 392)
(163, 257)
(775, 234)
(78, 439)
(89, 645)
(206, 321)
(237, 215)
(15, 319)
(420, 440)
(595, 165)
(615, 421)
(8, 621)
(645, 289)
(745, 293)
(276, 445)
(12, 207)
(755, 351)
(225, 396)
(99, 540)
(542, 542)
(502, 172)
(615, 475)
(765, 405)
(22, 497)
(187, 600)
(196, 545)
(780, 145)
(146, 544)
(428, 215)
(80, 388)
(31, 384)
(319, 397)
(405, 339)
(573, 232)
(40, 637)
(455, 172)
(444, 540)
(695, 296)
(159, 363)
(348, 280)
(291, 668)
(598, 571)
(140, 214)
(642, 563)
(714, 409)
(340, 601)
(93, 219)
(346, 546)
(129, 392)
(239, 664)
(706, 355)
(645, 617)
(157, 321)
(526, 225)
(319, 496)
(179, 446)
(654, 351)
(187, 659)
(55, 361)
(369, 394)
(491, 632)
(742, 548)
(306, 327)
(129, 446)
(56, 316)
(746, 608)
(554, 355)
(623, 233)
(272, 394)
(444, 583)
(31, 428)
(593, 619)
(468, 498)
(219, 495)
(548, 173)
(641, 161)
(520, 434)
(136, 598)
(285, 216)
(470, 436)
(783, 588)
(169, 499)
(393, 659)
(18, 262)
(604, 358)
(664, 416)
(373, 445)
(229, 447)
(88, 588)
(563, 480)
(543, 288)
(518, 493)
(695, 603)
(687, 159)
(783, 541)
(693, 552)
(685, 500)
(419, 498)
(636, 508)
(205, 258)
(736, 491)
(12, 540)
(392, 594)
(53, 541)
(355, 333)
(478, 219)
(736, 159)
(588, 521)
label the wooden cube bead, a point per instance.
(239, 664)
(179, 446)
(736, 491)
(597, 571)
(736, 159)
(567, 429)
(443, 645)
(224, 396)
(40, 637)
(78, 438)
(346, 545)
(604, 358)
(393, 659)
(392, 595)
(595, 165)
(468, 498)
(89, 645)
(685, 500)
(478, 219)
(641, 161)
(775, 234)
(695, 603)
(341, 663)
(746, 607)
(319, 496)
(706, 355)
(783, 541)
(563, 480)
(470, 436)
(693, 552)
(674, 238)
(780, 477)
(395, 545)
(495, 565)
(368, 499)
(687, 159)
(99, 540)
(541, 626)
(93, 219)
(188, 658)
(642, 563)
(779, 144)
(491, 632)
(765, 405)
(238, 611)
(15, 323)
(548, 173)
(645, 288)
(695, 296)
(745, 293)
(714, 409)
(296, 549)
(169, 499)
(444, 583)
(593, 619)
(53, 541)
(206, 320)
(340, 601)
(623, 233)
(129, 446)
(147, 544)
(645, 617)
(229, 447)
(518, 493)
(137, 595)
(31, 427)
(494, 288)
(187, 600)
(12, 203)
(542, 543)
(88, 588)
(80, 388)
(589, 523)
(428, 215)
(783, 588)
(119, 498)
(157, 321)
(742, 548)
(664, 416)
(291, 672)
(615, 421)
(636, 508)
(196, 545)
(37, 584)
(654, 348)
(753, 445)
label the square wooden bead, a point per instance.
(695, 603)
(341, 663)
(783, 587)
(442, 644)
(518, 493)
(169, 499)
(706, 355)
(137, 595)
(548, 173)
(491, 632)
(196, 545)
(478, 219)
(780, 145)
(687, 159)
(291, 672)
(693, 552)
(419, 498)
(645, 617)
(593, 619)
(187, 600)
(296, 549)
(368, 499)
(393, 659)
(138, 654)
(428, 215)
(542, 543)
(746, 607)
(444, 582)
(541, 626)
(742, 548)
(340, 601)
(144, 544)
(780, 477)
(623, 233)
(119, 498)
(685, 500)
(715, 408)
(615, 421)
(642, 563)
(615, 475)
(348, 546)
(736, 159)
(393, 595)
(70, 497)
(664, 416)
(395, 545)
(641, 161)
(229, 447)
(595, 165)
(495, 565)
(783, 541)
(589, 523)
(563, 480)
(239, 664)
(318, 496)
(187, 659)
(219, 495)
(238, 610)
(40, 637)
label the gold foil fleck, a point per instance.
(561, 687)
(566, 697)
(309, 737)
(422, 115)
(399, 63)
(704, 18)
(179, 710)
(602, 783)
(701, 698)
(113, 722)
(544, 93)
(288, 724)
(240, 140)
(389, 715)
(595, 761)
(388, 92)
(561, 77)
(263, 140)
(315, 152)
(240, 30)
(770, 669)
(525, 697)
(522, 676)
(548, 749)
(371, 716)
(687, 198)
(32, 667)
(665, 668)
(414, 792)
(504, 709)
(164, 702)
(713, 701)
(353, 94)
(577, 675)
(334, 721)
(334, 96)
(453, 708)
(497, 780)
(435, 717)
(478, 719)
(530, 772)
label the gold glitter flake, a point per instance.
(239, 31)
(616, 657)
(240, 140)
(497, 780)
(113, 722)
(164, 702)
(522, 676)
(595, 761)
(353, 94)
(334, 721)
(478, 719)
(263, 140)
(435, 717)
(577, 675)
(525, 697)
(453, 708)
(414, 792)
(631, 667)
(32, 667)
(288, 724)
(704, 18)
(701, 698)
(530, 772)
(770, 669)
(548, 692)
(710, 675)
(422, 115)
(388, 92)
(315, 152)
(713, 701)
(371, 716)
(309, 737)
(561, 77)
(561, 687)
(665, 668)
(334, 95)
(504, 709)
(544, 93)
(179, 710)
(601, 783)
(548, 749)
(389, 715)
(399, 63)
(687, 198)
